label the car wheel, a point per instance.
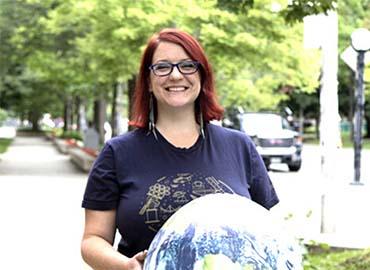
(294, 167)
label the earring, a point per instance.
(151, 128)
(201, 122)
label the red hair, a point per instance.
(210, 107)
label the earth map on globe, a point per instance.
(207, 234)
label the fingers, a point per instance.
(141, 255)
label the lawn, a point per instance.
(346, 141)
(337, 259)
(4, 143)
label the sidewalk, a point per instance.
(346, 217)
(42, 218)
(40, 204)
(346, 206)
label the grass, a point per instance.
(4, 143)
(319, 258)
(346, 140)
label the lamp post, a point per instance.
(360, 42)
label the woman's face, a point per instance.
(175, 90)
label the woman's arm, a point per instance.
(97, 244)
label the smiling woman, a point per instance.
(172, 157)
(191, 50)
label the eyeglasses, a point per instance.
(165, 68)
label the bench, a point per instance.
(63, 145)
(82, 158)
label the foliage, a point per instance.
(261, 55)
(347, 142)
(4, 144)
(3, 116)
(72, 134)
(294, 12)
(240, 6)
(353, 14)
(298, 9)
(56, 50)
(24, 90)
(340, 259)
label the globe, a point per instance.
(223, 232)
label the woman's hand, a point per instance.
(98, 238)
(137, 261)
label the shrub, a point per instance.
(72, 134)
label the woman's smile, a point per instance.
(176, 88)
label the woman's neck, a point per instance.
(178, 127)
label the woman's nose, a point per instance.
(175, 74)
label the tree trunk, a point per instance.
(77, 112)
(71, 114)
(114, 110)
(82, 121)
(67, 113)
(34, 119)
(100, 117)
(317, 127)
(301, 119)
(119, 126)
(130, 92)
(367, 118)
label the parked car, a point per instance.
(275, 140)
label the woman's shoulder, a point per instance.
(227, 133)
(127, 138)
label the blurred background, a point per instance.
(67, 74)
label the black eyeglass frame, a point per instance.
(196, 63)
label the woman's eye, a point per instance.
(162, 66)
(187, 65)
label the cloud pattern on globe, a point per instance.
(223, 232)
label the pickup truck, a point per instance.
(275, 141)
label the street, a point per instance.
(42, 218)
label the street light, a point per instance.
(360, 42)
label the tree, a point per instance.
(17, 81)
(85, 48)
(261, 55)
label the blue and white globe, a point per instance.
(223, 232)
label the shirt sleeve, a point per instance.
(102, 189)
(262, 190)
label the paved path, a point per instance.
(347, 209)
(41, 217)
(42, 221)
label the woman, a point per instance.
(175, 155)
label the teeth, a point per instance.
(176, 88)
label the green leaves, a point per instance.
(298, 9)
(75, 45)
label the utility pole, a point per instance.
(360, 42)
(329, 125)
(356, 56)
(324, 28)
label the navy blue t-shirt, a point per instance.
(147, 179)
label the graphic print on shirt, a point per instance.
(169, 193)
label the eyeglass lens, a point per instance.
(185, 67)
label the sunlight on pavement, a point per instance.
(40, 198)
